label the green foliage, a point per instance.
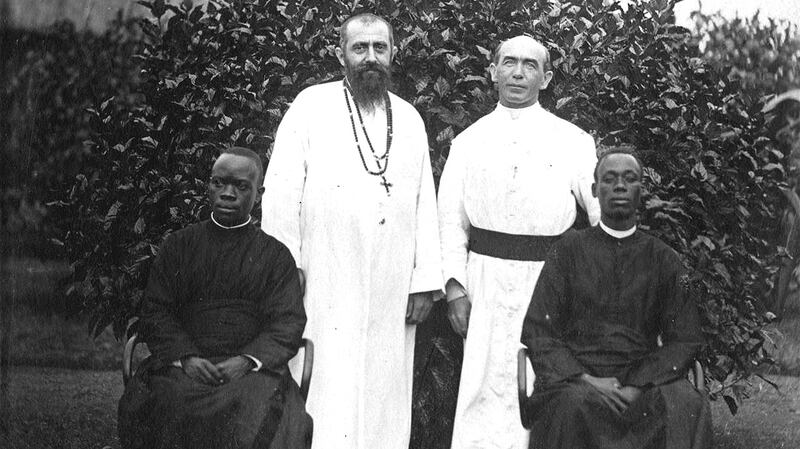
(226, 75)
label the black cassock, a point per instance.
(599, 307)
(218, 293)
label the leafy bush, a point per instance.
(49, 79)
(764, 54)
(225, 76)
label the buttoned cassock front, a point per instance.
(516, 171)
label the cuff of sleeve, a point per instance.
(255, 360)
(427, 280)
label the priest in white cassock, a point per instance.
(508, 191)
(349, 190)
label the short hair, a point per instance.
(367, 18)
(629, 150)
(547, 64)
(250, 154)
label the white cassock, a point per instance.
(516, 172)
(362, 251)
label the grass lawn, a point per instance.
(61, 408)
(40, 332)
(76, 409)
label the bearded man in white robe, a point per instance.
(508, 190)
(349, 190)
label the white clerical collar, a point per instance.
(515, 113)
(249, 218)
(617, 234)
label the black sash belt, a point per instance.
(510, 246)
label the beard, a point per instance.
(369, 83)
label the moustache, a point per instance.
(371, 67)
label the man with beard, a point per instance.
(222, 316)
(350, 192)
(508, 190)
(605, 298)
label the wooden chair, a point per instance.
(697, 378)
(305, 382)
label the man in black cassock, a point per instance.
(604, 297)
(222, 315)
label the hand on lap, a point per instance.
(630, 394)
(201, 370)
(618, 398)
(235, 368)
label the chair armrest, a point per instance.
(127, 358)
(699, 377)
(308, 367)
(522, 386)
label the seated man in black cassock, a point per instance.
(222, 315)
(604, 297)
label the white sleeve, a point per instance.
(427, 273)
(285, 181)
(583, 177)
(454, 224)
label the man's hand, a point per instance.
(458, 307)
(201, 370)
(458, 313)
(235, 368)
(611, 391)
(630, 394)
(419, 307)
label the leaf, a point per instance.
(701, 239)
(149, 141)
(562, 101)
(139, 226)
(111, 215)
(445, 135)
(773, 166)
(104, 105)
(422, 83)
(276, 60)
(487, 54)
(470, 78)
(441, 86)
(723, 271)
(742, 210)
(699, 171)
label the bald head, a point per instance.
(525, 43)
(520, 70)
